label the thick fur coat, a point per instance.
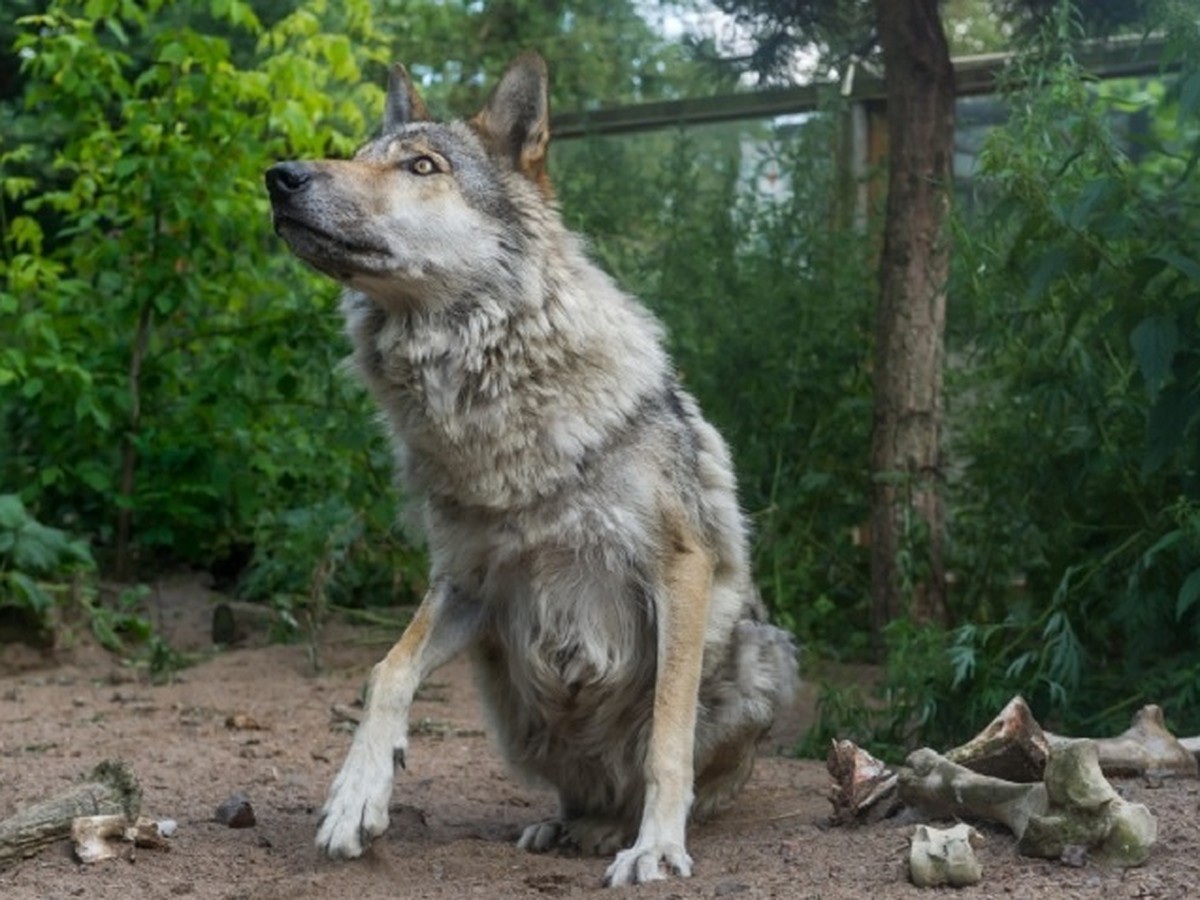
(587, 550)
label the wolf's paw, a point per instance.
(651, 862)
(357, 808)
(541, 836)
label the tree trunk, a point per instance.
(906, 518)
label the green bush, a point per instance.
(170, 377)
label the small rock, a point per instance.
(236, 812)
(167, 827)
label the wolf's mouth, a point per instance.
(290, 227)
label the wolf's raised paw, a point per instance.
(652, 862)
(357, 808)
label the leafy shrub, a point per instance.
(33, 555)
(170, 376)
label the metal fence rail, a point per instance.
(1116, 58)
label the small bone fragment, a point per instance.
(864, 788)
(98, 837)
(110, 836)
(1012, 746)
(944, 856)
(1145, 748)
(110, 788)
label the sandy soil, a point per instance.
(455, 815)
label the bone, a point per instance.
(1012, 746)
(943, 789)
(1075, 806)
(944, 856)
(864, 788)
(106, 837)
(1145, 748)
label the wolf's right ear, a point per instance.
(403, 104)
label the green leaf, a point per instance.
(1188, 594)
(1155, 341)
(12, 512)
(24, 592)
(1184, 264)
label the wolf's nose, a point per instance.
(288, 177)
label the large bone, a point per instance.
(1012, 746)
(1074, 807)
(1145, 748)
(110, 788)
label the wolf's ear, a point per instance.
(515, 121)
(403, 104)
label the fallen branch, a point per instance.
(110, 788)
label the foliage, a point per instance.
(1074, 407)
(32, 554)
(42, 576)
(600, 52)
(1084, 289)
(164, 359)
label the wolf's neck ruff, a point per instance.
(500, 403)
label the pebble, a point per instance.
(236, 812)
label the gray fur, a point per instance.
(537, 422)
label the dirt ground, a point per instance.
(455, 814)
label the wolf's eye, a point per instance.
(422, 165)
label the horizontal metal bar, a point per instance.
(1116, 58)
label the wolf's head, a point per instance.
(427, 213)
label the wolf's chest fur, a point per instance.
(497, 404)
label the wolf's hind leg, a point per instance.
(738, 708)
(357, 807)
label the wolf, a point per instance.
(586, 545)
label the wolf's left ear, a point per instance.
(403, 104)
(515, 121)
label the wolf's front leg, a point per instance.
(357, 807)
(682, 604)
